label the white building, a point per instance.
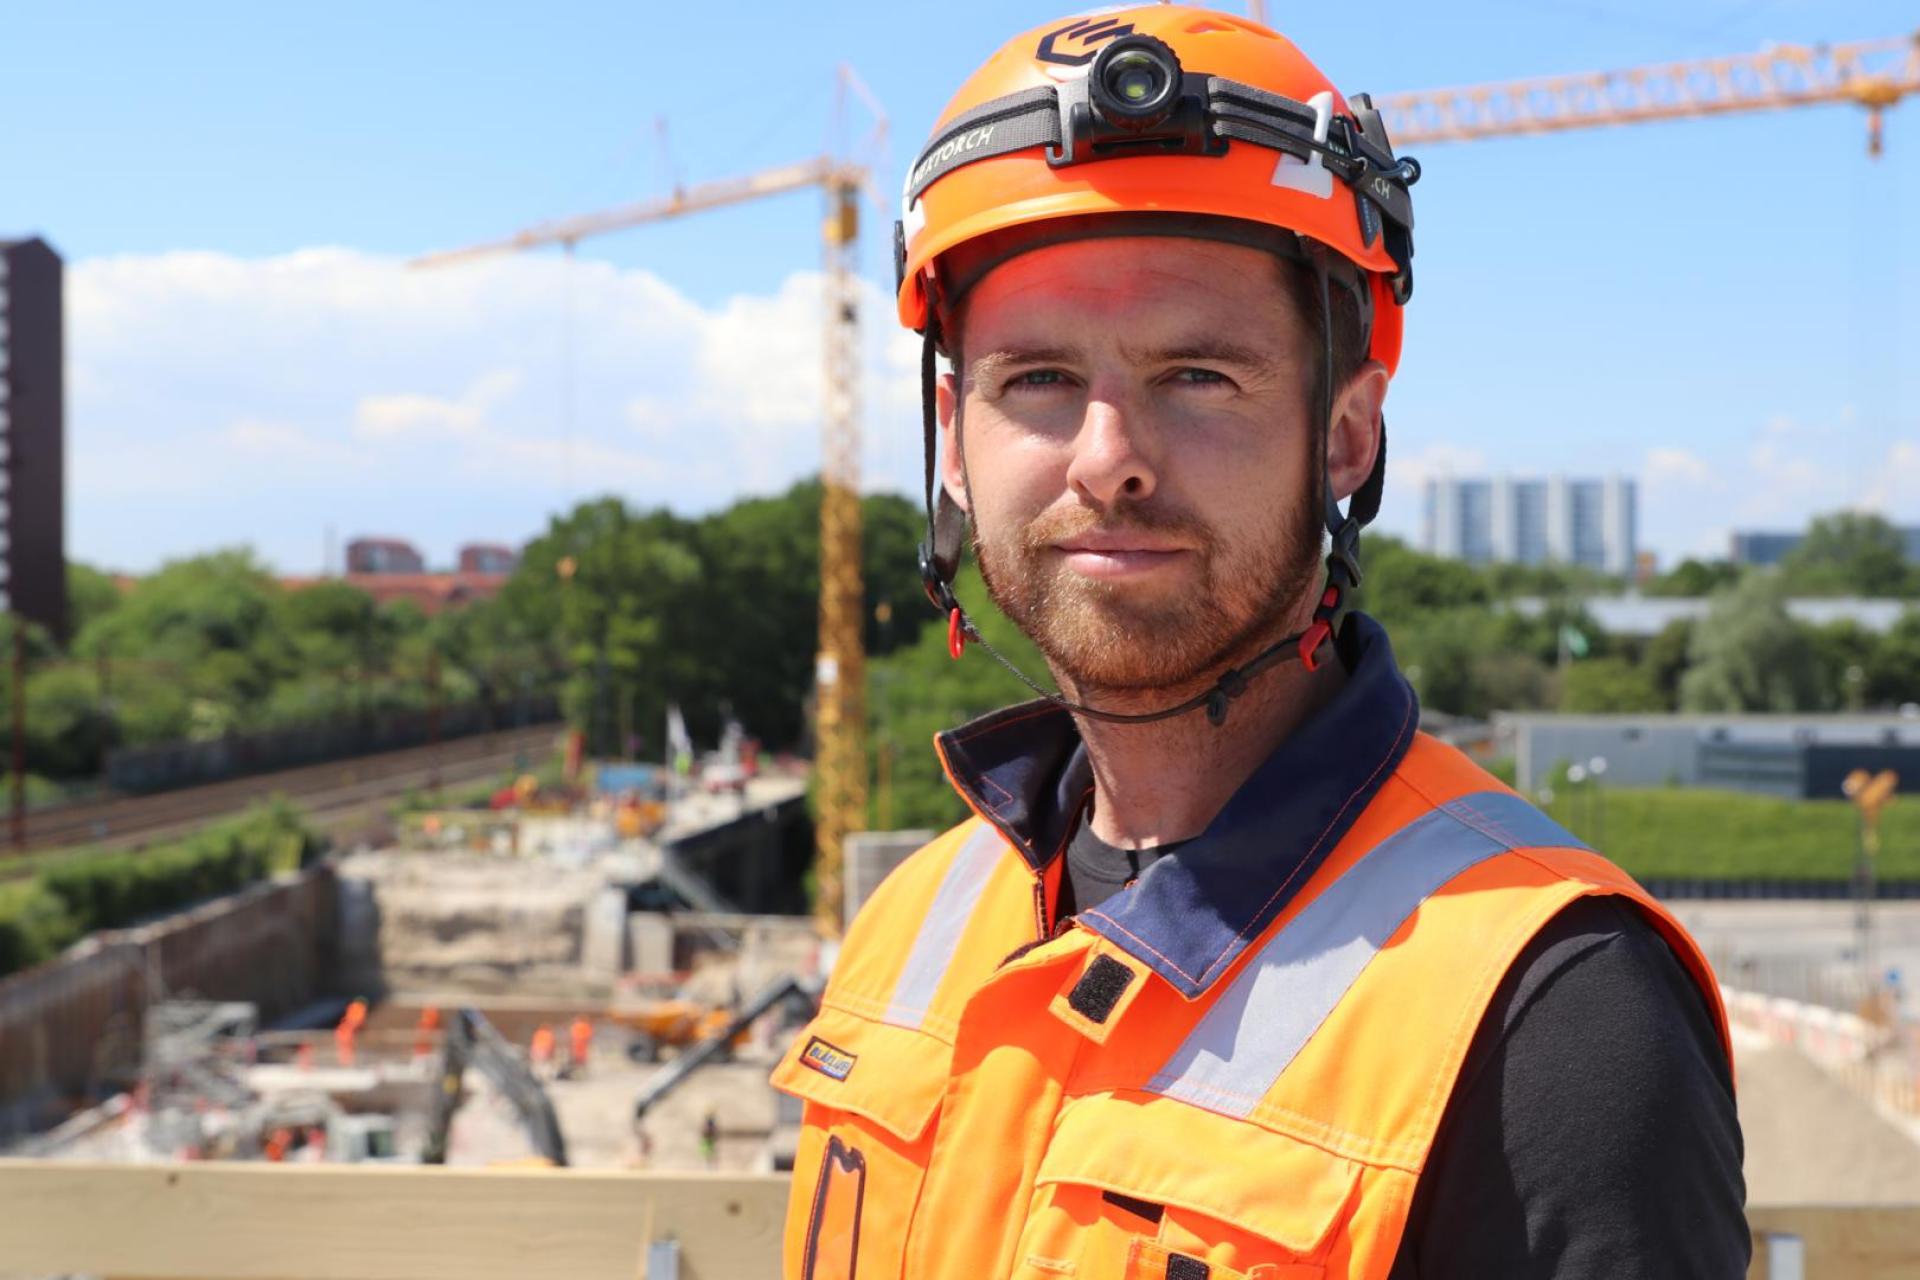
(1524, 520)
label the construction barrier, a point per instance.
(71, 1029)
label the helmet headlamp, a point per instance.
(1134, 83)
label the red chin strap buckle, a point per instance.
(956, 634)
(1310, 641)
(1319, 630)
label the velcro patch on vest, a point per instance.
(828, 1059)
(1100, 988)
(1181, 1267)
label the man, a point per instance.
(1233, 973)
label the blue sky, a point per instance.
(1718, 307)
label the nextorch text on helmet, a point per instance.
(1159, 120)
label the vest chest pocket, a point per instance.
(871, 1091)
(1137, 1187)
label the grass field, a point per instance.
(1690, 833)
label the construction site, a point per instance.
(515, 1013)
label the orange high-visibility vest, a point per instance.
(980, 1104)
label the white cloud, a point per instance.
(1790, 470)
(216, 399)
(1678, 469)
(1895, 489)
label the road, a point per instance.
(1808, 949)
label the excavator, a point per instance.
(721, 1030)
(471, 1040)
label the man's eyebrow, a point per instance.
(1214, 350)
(984, 367)
(1018, 354)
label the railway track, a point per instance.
(333, 795)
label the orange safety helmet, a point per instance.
(1160, 109)
(1158, 120)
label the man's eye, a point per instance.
(1037, 378)
(1203, 377)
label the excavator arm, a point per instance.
(471, 1040)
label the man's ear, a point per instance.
(953, 469)
(1353, 438)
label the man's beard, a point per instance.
(1099, 639)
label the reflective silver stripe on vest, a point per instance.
(940, 931)
(1237, 1051)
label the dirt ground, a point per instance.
(596, 1111)
(1811, 1140)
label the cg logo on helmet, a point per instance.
(1088, 35)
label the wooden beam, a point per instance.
(237, 1221)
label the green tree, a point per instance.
(1749, 655)
(1893, 670)
(1850, 553)
(91, 595)
(1693, 578)
(213, 622)
(1666, 657)
(917, 692)
(1401, 583)
(1844, 655)
(1609, 685)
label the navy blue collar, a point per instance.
(1193, 912)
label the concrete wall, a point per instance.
(870, 856)
(73, 1025)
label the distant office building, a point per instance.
(488, 557)
(1802, 756)
(33, 551)
(1531, 521)
(1761, 547)
(383, 555)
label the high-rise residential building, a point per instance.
(1459, 520)
(1525, 520)
(1519, 521)
(33, 548)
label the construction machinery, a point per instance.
(840, 760)
(668, 1024)
(722, 1036)
(470, 1040)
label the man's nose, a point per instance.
(1110, 462)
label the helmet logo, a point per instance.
(1087, 35)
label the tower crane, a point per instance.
(840, 758)
(1874, 74)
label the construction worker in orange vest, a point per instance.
(540, 1051)
(579, 1044)
(1232, 973)
(348, 1030)
(425, 1030)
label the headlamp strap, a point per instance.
(1355, 150)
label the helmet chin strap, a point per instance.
(946, 535)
